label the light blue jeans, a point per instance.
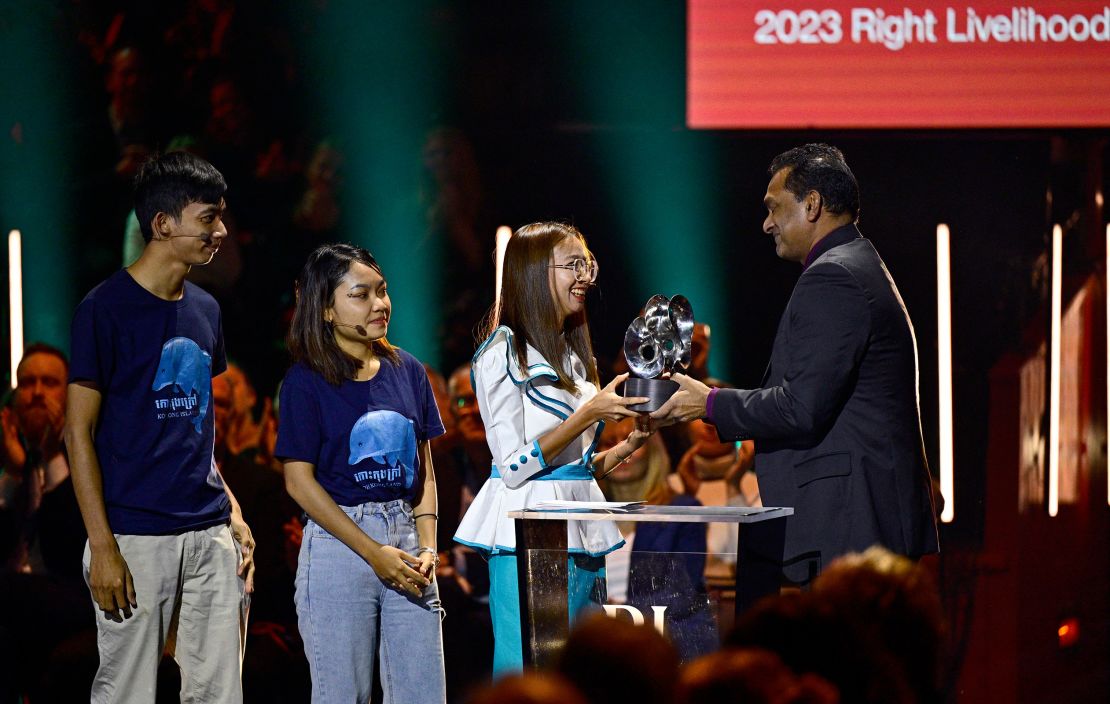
(342, 606)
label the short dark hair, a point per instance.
(821, 168)
(310, 339)
(42, 348)
(169, 182)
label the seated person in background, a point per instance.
(260, 492)
(893, 601)
(448, 475)
(473, 461)
(665, 565)
(872, 625)
(632, 480)
(36, 473)
(752, 676)
(533, 687)
(612, 660)
(242, 434)
(474, 452)
(717, 474)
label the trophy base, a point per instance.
(656, 390)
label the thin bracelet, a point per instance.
(434, 553)
(612, 469)
(421, 515)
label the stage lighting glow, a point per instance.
(15, 297)
(1054, 373)
(503, 234)
(944, 372)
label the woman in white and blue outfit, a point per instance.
(537, 387)
(356, 418)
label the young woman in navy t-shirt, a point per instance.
(357, 415)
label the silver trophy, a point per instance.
(657, 342)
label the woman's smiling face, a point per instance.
(567, 291)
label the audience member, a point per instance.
(632, 480)
(611, 660)
(529, 688)
(717, 474)
(130, 104)
(663, 564)
(32, 458)
(750, 676)
(872, 625)
(41, 535)
(260, 491)
(318, 212)
(473, 452)
(892, 601)
(458, 237)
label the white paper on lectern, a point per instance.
(587, 505)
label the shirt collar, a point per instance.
(841, 235)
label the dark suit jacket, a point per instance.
(836, 425)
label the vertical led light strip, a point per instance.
(503, 234)
(1054, 373)
(944, 372)
(15, 297)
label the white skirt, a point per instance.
(486, 527)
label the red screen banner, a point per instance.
(833, 64)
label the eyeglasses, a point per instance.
(585, 270)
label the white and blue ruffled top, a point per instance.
(517, 409)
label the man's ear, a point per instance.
(813, 203)
(160, 226)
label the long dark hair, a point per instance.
(311, 339)
(527, 306)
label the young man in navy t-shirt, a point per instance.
(162, 526)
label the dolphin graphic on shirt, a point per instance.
(386, 437)
(189, 368)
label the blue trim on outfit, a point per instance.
(538, 453)
(588, 455)
(578, 470)
(488, 551)
(535, 371)
(531, 392)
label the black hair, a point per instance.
(311, 339)
(821, 168)
(169, 182)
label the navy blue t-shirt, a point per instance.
(152, 361)
(362, 436)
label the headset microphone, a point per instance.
(357, 328)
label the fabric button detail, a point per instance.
(513, 466)
(535, 453)
(524, 459)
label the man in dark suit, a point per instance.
(836, 423)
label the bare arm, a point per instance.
(607, 461)
(392, 565)
(426, 510)
(241, 532)
(606, 405)
(109, 577)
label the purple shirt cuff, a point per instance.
(709, 404)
